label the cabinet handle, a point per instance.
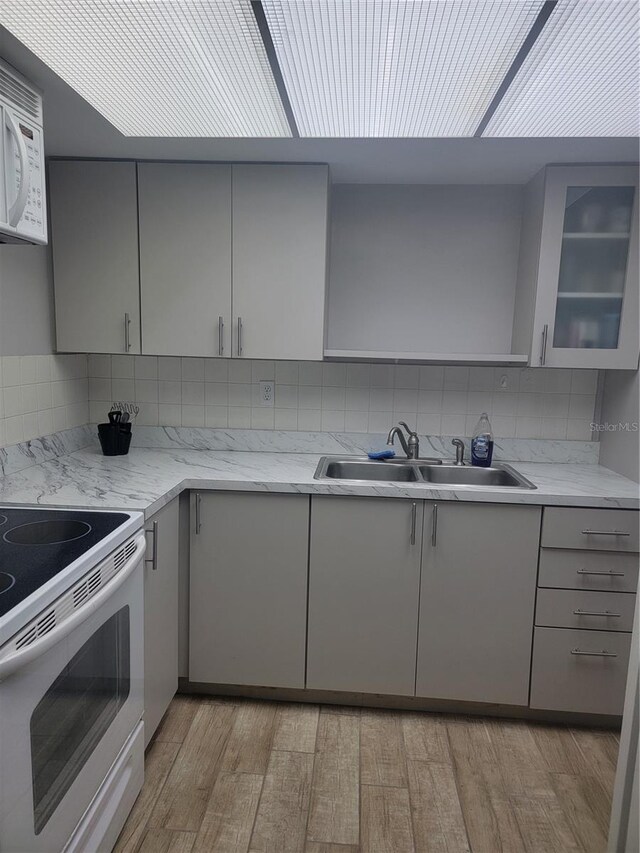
(434, 526)
(603, 654)
(608, 613)
(605, 533)
(543, 347)
(414, 512)
(198, 502)
(220, 336)
(127, 341)
(154, 547)
(239, 335)
(608, 574)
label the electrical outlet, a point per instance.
(267, 393)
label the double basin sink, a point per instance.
(424, 471)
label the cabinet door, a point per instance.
(185, 258)
(477, 602)
(587, 303)
(279, 261)
(94, 233)
(160, 616)
(248, 589)
(364, 584)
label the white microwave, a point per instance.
(23, 208)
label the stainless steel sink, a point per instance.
(360, 469)
(499, 475)
(425, 471)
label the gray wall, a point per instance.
(26, 300)
(619, 448)
(423, 268)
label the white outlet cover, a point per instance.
(267, 393)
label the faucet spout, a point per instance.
(397, 432)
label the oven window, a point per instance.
(76, 711)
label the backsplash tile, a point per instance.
(336, 397)
(43, 394)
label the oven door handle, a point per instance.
(18, 659)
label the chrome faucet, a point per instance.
(458, 443)
(411, 447)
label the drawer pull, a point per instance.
(607, 613)
(608, 573)
(605, 533)
(603, 654)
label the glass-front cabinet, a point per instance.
(585, 311)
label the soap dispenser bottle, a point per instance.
(482, 443)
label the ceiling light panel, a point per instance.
(395, 68)
(580, 78)
(158, 67)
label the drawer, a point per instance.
(574, 608)
(594, 529)
(604, 570)
(562, 679)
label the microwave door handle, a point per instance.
(24, 656)
(17, 208)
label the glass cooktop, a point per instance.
(36, 544)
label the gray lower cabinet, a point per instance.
(477, 602)
(584, 612)
(583, 671)
(364, 585)
(248, 588)
(160, 616)
(591, 529)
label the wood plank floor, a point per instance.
(240, 776)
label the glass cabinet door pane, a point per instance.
(593, 266)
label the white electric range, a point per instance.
(71, 677)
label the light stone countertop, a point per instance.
(147, 479)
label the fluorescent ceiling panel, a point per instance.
(395, 68)
(158, 67)
(580, 78)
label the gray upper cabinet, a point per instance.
(279, 260)
(210, 236)
(185, 258)
(477, 602)
(94, 234)
(364, 583)
(248, 588)
(160, 616)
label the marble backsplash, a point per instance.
(344, 443)
(17, 457)
(20, 456)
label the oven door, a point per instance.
(66, 715)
